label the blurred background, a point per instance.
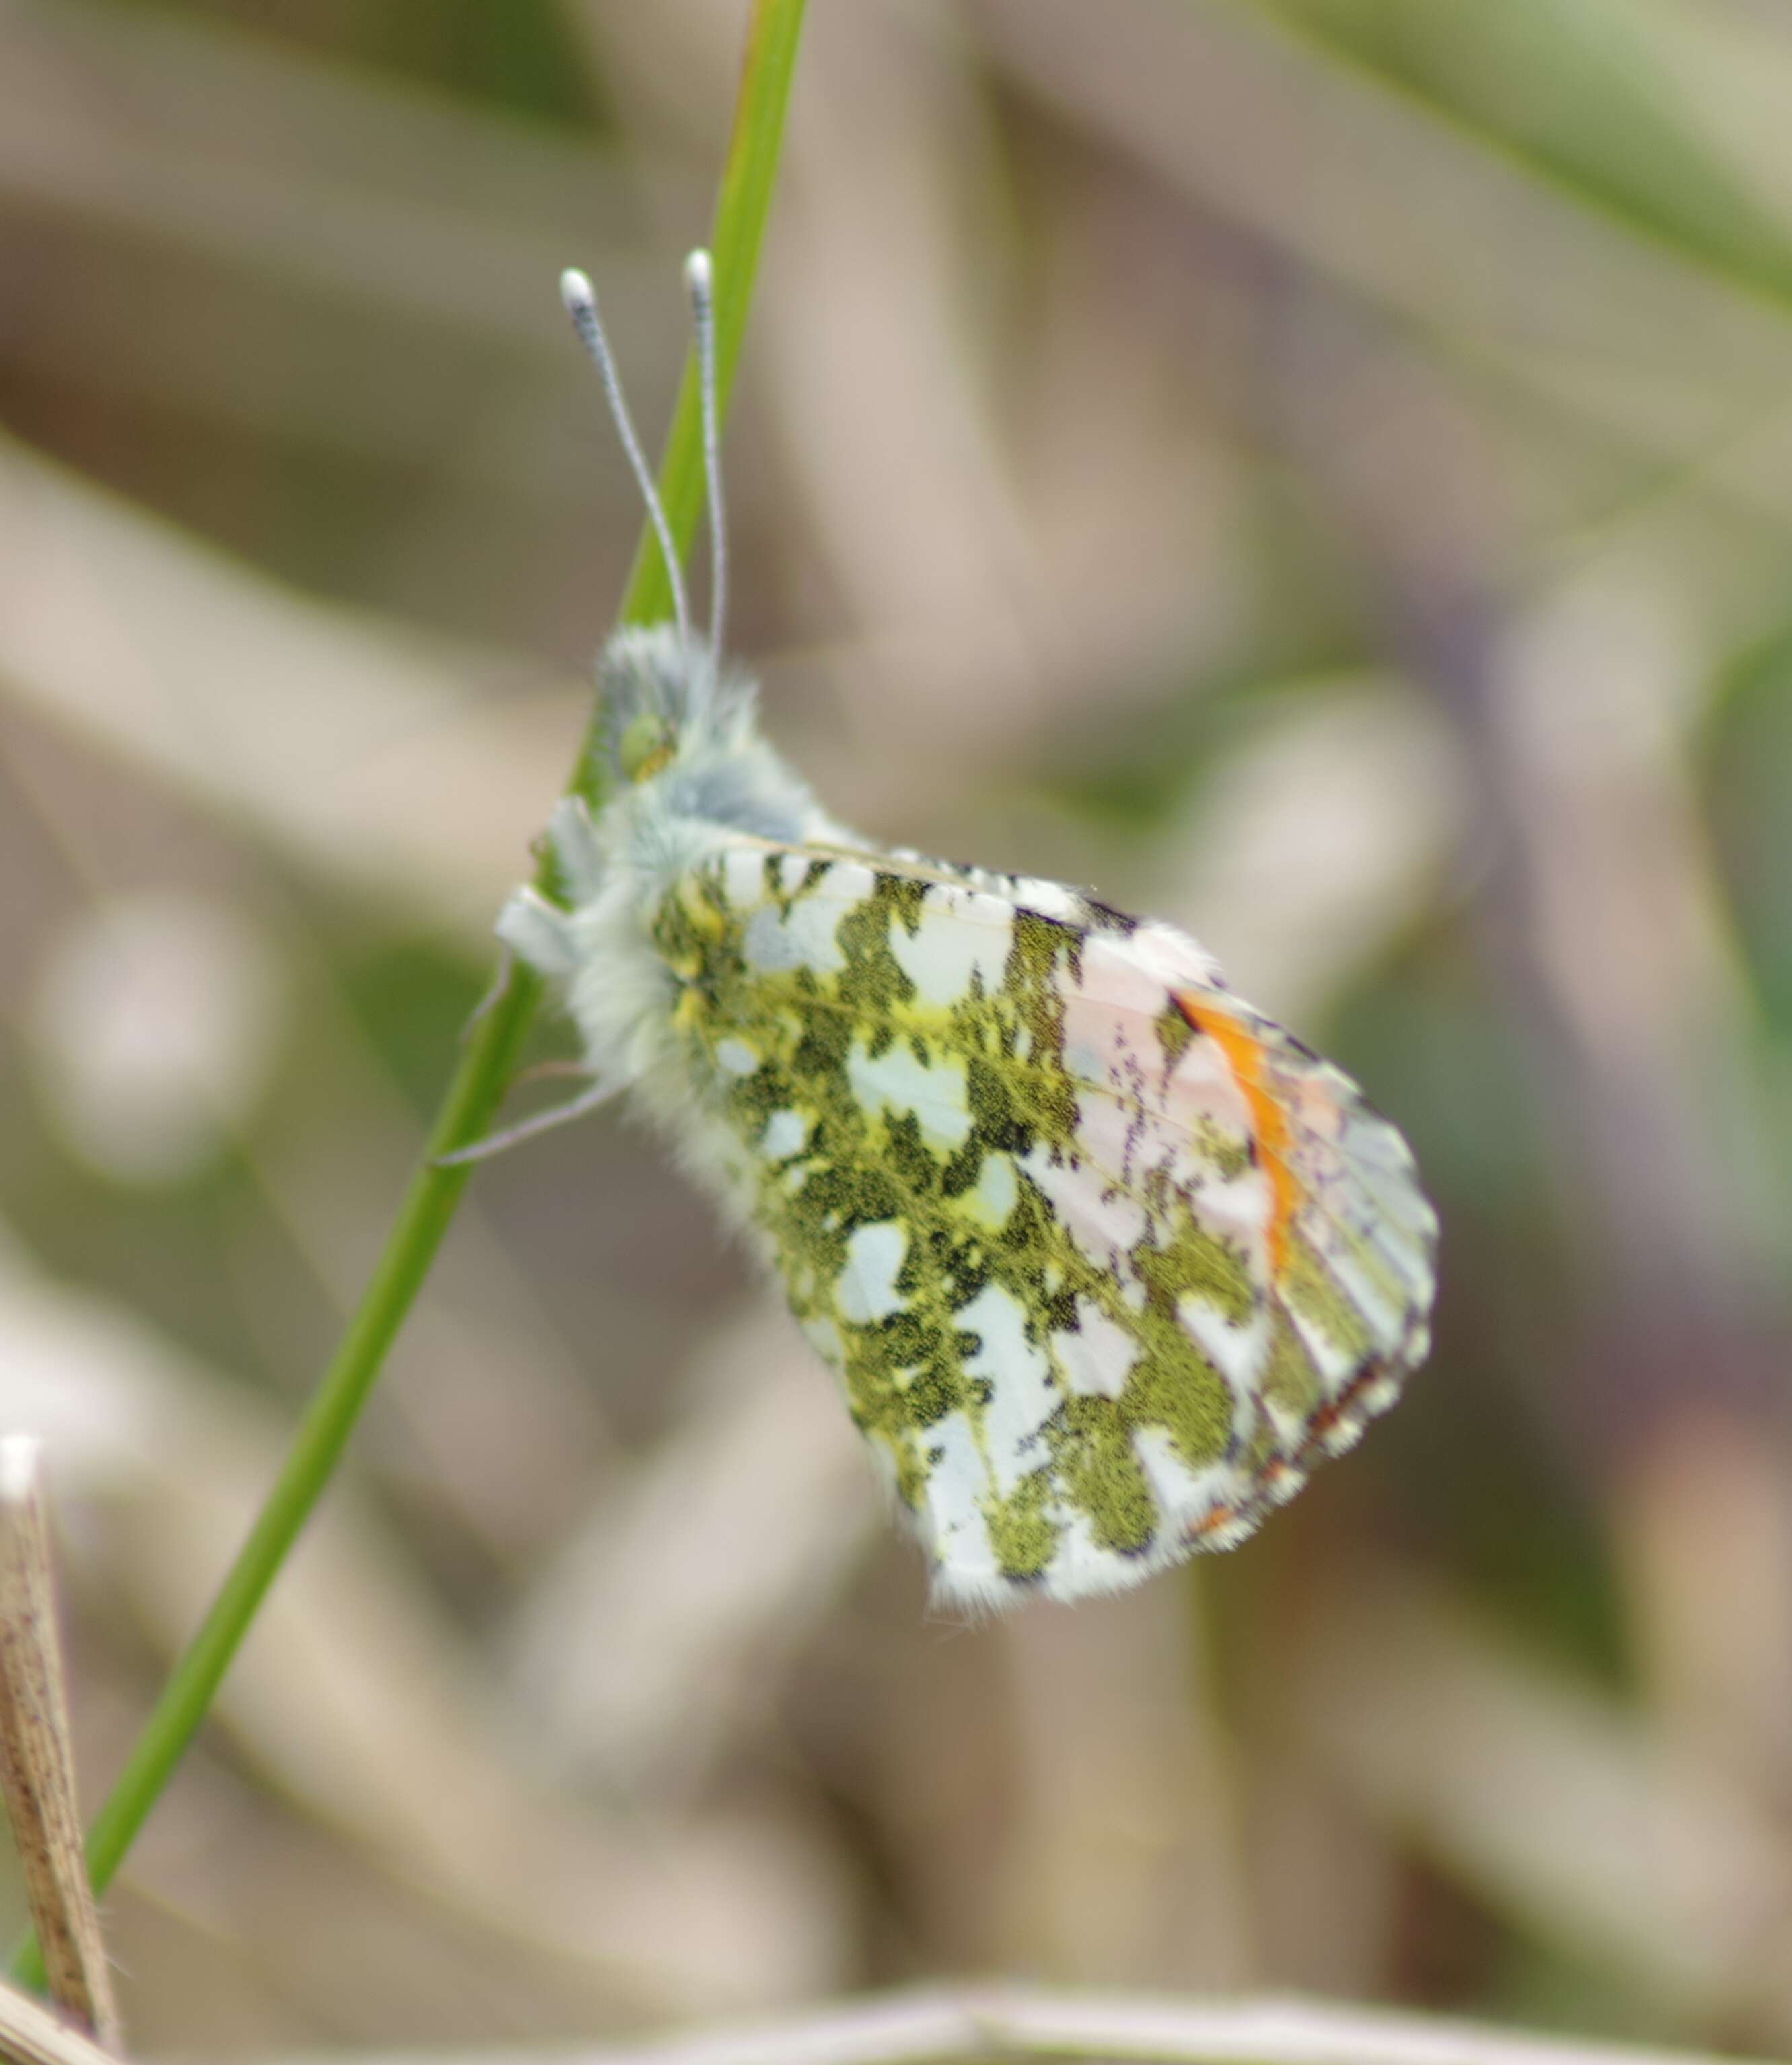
(1320, 470)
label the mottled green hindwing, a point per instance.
(1105, 1260)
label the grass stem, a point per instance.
(489, 1059)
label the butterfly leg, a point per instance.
(573, 841)
(495, 991)
(538, 932)
(531, 929)
(544, 1122)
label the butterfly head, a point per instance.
(665, 699)
(644, 748)
(655, 682)
(680, 728)
(683, 739)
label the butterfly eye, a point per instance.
(645, 747)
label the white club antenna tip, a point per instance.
(697, 273)
(576, 291)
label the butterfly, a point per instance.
(1105, 1261)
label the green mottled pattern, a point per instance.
(783, 1053)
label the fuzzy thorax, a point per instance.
(690, 773)
(688, 764)
(682, 741)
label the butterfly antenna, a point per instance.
(699, 285)
(581, 305)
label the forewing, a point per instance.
(1105, 1260)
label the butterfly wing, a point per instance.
(1105, 1260)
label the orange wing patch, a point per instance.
(1246, 1057)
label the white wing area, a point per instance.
(1106, 1261)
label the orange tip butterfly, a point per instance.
(1105, 1261)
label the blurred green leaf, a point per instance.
(517, 56)
(1573, 89)
(1748, 781)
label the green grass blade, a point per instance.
(1572, 91)
(489, 1056)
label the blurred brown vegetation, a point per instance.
(1320, 470)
